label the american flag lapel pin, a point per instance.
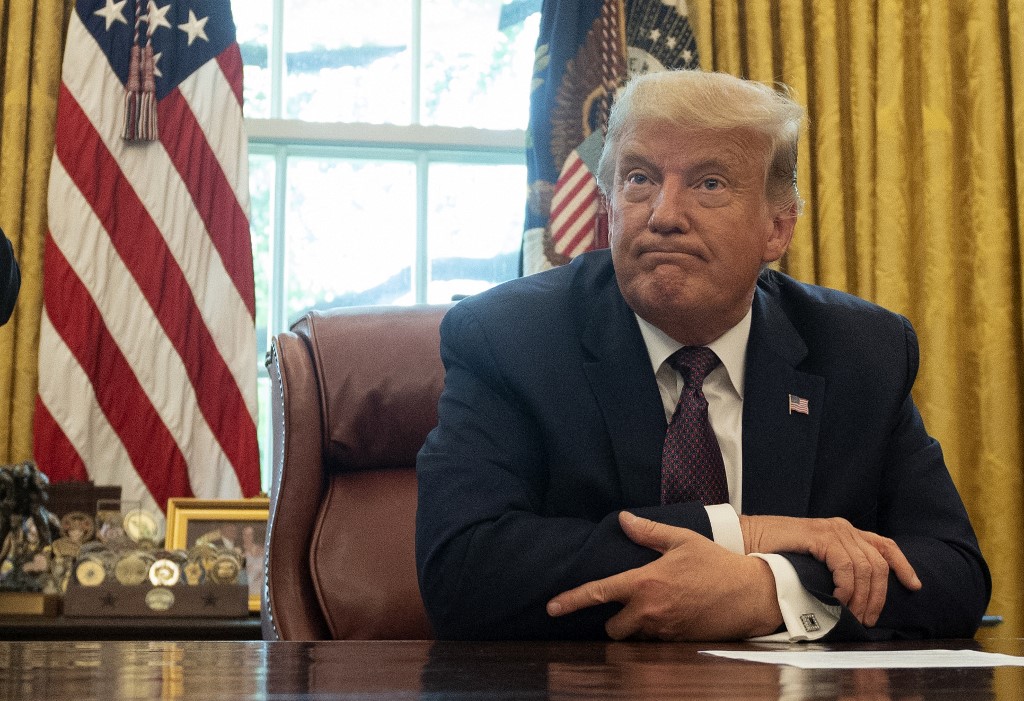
(798, 404)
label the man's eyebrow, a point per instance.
(631, 159)
(710, 164)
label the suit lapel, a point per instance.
(779, 447)
(618, 369)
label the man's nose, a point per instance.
(669, 209)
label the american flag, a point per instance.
(574, 209)
(798, 404)
(147, 374)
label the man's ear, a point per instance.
(606, 203)
(781, 235)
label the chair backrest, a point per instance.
(354, 394)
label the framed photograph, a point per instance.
(226, 523)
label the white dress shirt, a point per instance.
(805, 617)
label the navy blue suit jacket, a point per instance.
(551, 422)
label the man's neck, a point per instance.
(730, 347)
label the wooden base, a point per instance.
(202, 601)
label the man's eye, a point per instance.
(636, 178)
(711, 184)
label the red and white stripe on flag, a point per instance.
(573, 219)
(147, 376)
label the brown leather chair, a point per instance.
(354, 394)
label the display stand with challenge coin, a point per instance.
(124, 573)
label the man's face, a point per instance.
(691, 226)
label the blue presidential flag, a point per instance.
(586, 50)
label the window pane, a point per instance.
(264, 432)
(252, 24)
(348, 61)
(475, 225)
(261, 217)
(350, 233)
(477, 64)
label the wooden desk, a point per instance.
(506, 671)
(126, 628)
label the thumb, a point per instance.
(651, 534)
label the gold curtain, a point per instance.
(913, 171)
(31, 46)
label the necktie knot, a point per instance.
(694, 363)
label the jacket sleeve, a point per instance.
(918, 506)
(490, 551)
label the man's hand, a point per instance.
(696, 590)
(859, 560)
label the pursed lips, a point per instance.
(671, 254)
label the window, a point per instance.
(385, 153)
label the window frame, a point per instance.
(417, 143)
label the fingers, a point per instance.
(624, 624)
(897, 561)
(875, 581)
(883, 555)
(860, 573)
(839, 556)
(642, 531)
(594, 593)
(651, 534)
(859, 568)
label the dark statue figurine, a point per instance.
(26, 526)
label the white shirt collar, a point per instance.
(730, 347)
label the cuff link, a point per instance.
(810, 622)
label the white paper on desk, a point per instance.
(868, 659)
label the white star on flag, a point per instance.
(156, 67)
(654, 35)
(157, 17)
(112, 12)
(194, 28)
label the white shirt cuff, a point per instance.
(725, 527)
(805, 617)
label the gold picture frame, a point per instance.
(189, 519)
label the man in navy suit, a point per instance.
(543, 508)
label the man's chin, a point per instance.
(667, 301)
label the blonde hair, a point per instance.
(696, 99)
